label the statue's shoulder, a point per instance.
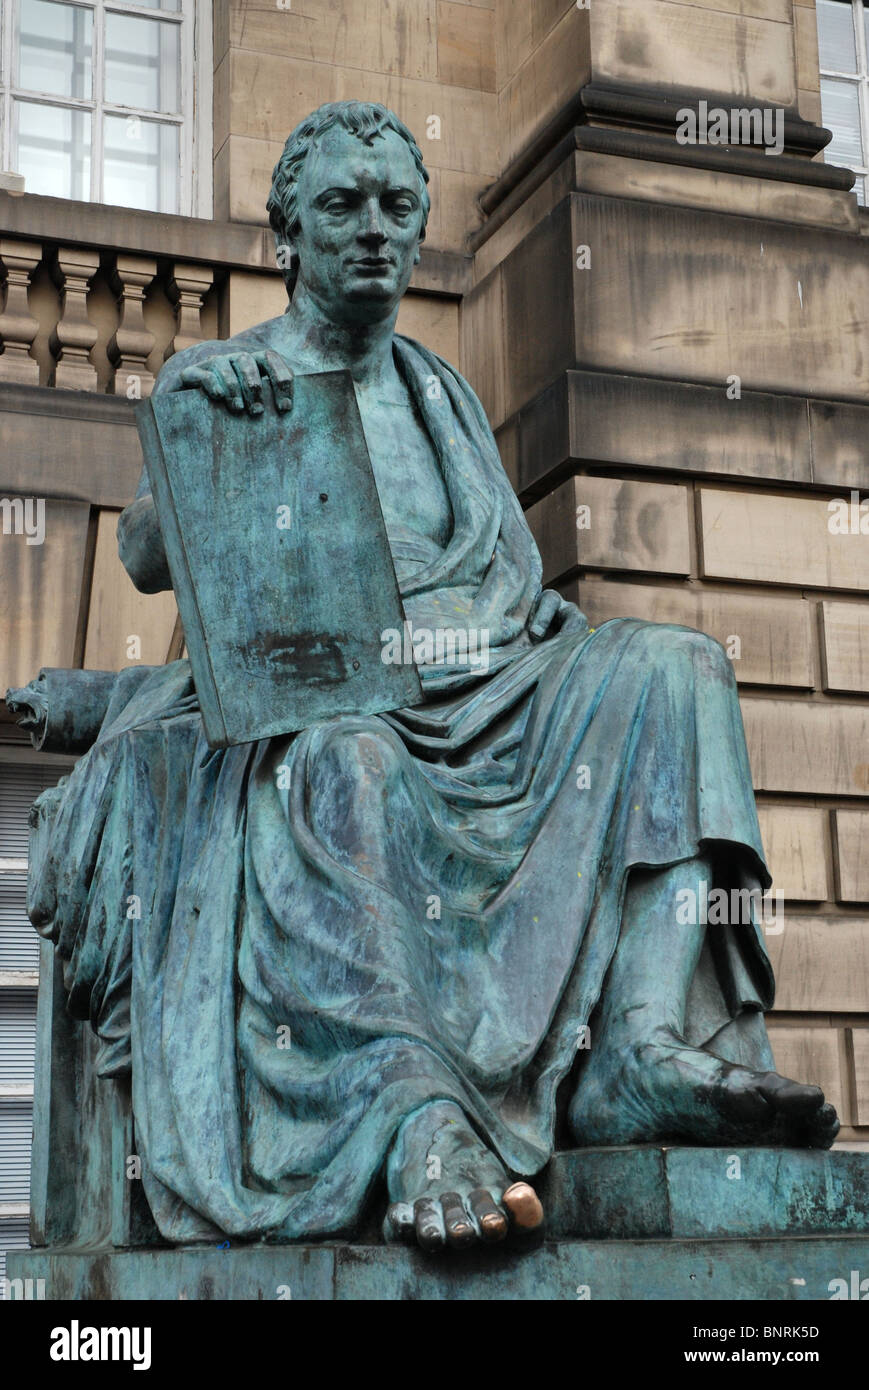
(421, 359)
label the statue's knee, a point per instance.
(362, 748)
(667, 645)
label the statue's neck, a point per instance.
(313, 339)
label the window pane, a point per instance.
(837, 45)
(142, 66)
(55, 49)
(173, 5)
(840, 112)
(54, 150)
(141, 164)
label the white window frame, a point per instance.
(194, 120)
(860, 79)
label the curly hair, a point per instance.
(364, 119)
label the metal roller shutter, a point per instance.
(19, 944)
(14, 1235)
(16, 1127)
(17, 1035)
(20, 785)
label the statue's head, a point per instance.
(349, 207)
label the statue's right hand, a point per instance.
(236, 378)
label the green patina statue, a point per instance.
(402, 957)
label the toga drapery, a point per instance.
(339, 925)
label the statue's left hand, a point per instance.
(549, 604)
(236, 378)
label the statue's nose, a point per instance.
(372, 228)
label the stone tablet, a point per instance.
(279, 558)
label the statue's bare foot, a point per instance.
(662, 1089)
(447, 1189)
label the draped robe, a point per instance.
(340, 925)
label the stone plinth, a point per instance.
(779, 1269)
(627, 1224)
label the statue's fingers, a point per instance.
(204, 379)
(280, 374)
(247, 371)
(399, 1223)
(549, 604)
(458, 1227)
(223, 369)
(429, 1221)
(488, 1215)
(524, 1206)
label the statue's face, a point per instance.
(360, 216)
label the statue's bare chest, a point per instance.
(409, 479)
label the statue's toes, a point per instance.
(428, 1218)
(490, 1218)
(822, 1130)
(524, 1207)
(399, 1224)
(458, 1226)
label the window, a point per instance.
(106, 101)
(843, 47)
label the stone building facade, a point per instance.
(670, 336)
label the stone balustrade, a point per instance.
(97, 319)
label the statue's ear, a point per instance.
(417, 258)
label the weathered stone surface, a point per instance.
(821, 964)
(718, 53)
(358, 33)
(734, 298)
(767, 539)
(818, 748)
(795, 839)
(640, 422)
(792, 1269)
(466, 46)
(851, 855)
(604, 523)
(839, 455)
(40, 633)
(643, 423)
(119, 613)
(692, 1193)
(860, 1045)
(556, 68)
(845, 643)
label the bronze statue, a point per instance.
(434, 943)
